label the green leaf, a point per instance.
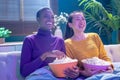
(4, 32)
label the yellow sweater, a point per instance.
(92, 46)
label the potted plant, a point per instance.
(4, 33)
(99, 20)
(116, 10)
(115, 5)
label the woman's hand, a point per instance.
(109, 70)
(72, 72)
(55, 54)
(88, 72)
(59, 54)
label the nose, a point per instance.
(49, 18)
(82, 21)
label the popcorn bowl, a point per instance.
(58, 69)
(95, 64)
(96, 67)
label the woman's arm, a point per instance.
(63, 46)
(27, 65)
(102, 53)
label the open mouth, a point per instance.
(49, 23)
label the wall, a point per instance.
(20, 29)
(72, 5)
(67, 6)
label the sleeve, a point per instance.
(27, 65)
(102, 53)
(68, 50)
(63, 46)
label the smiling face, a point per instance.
(46, 19)
(78, 23)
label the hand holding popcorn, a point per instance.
(94, 66)
(58, 66)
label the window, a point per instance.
(24, 10)
(32, 6)
(9, 9)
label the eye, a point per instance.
(49, 16)
(46, 16)
(52, 17)
(83, 18)
(78, 19)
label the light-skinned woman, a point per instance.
(81, 45)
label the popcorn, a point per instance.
(58, 66)
(64, 60)
(95, 61)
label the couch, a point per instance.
(113, 52)
(9, 62)
(9, 66)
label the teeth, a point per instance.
(49, 23)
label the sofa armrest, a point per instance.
(10, 62)
(113, 52)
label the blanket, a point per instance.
(46, 74)
(108, 76)
(43, 74)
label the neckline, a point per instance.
(81, 39)
(44, 32)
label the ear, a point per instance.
(38, 19)
(70, 25)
